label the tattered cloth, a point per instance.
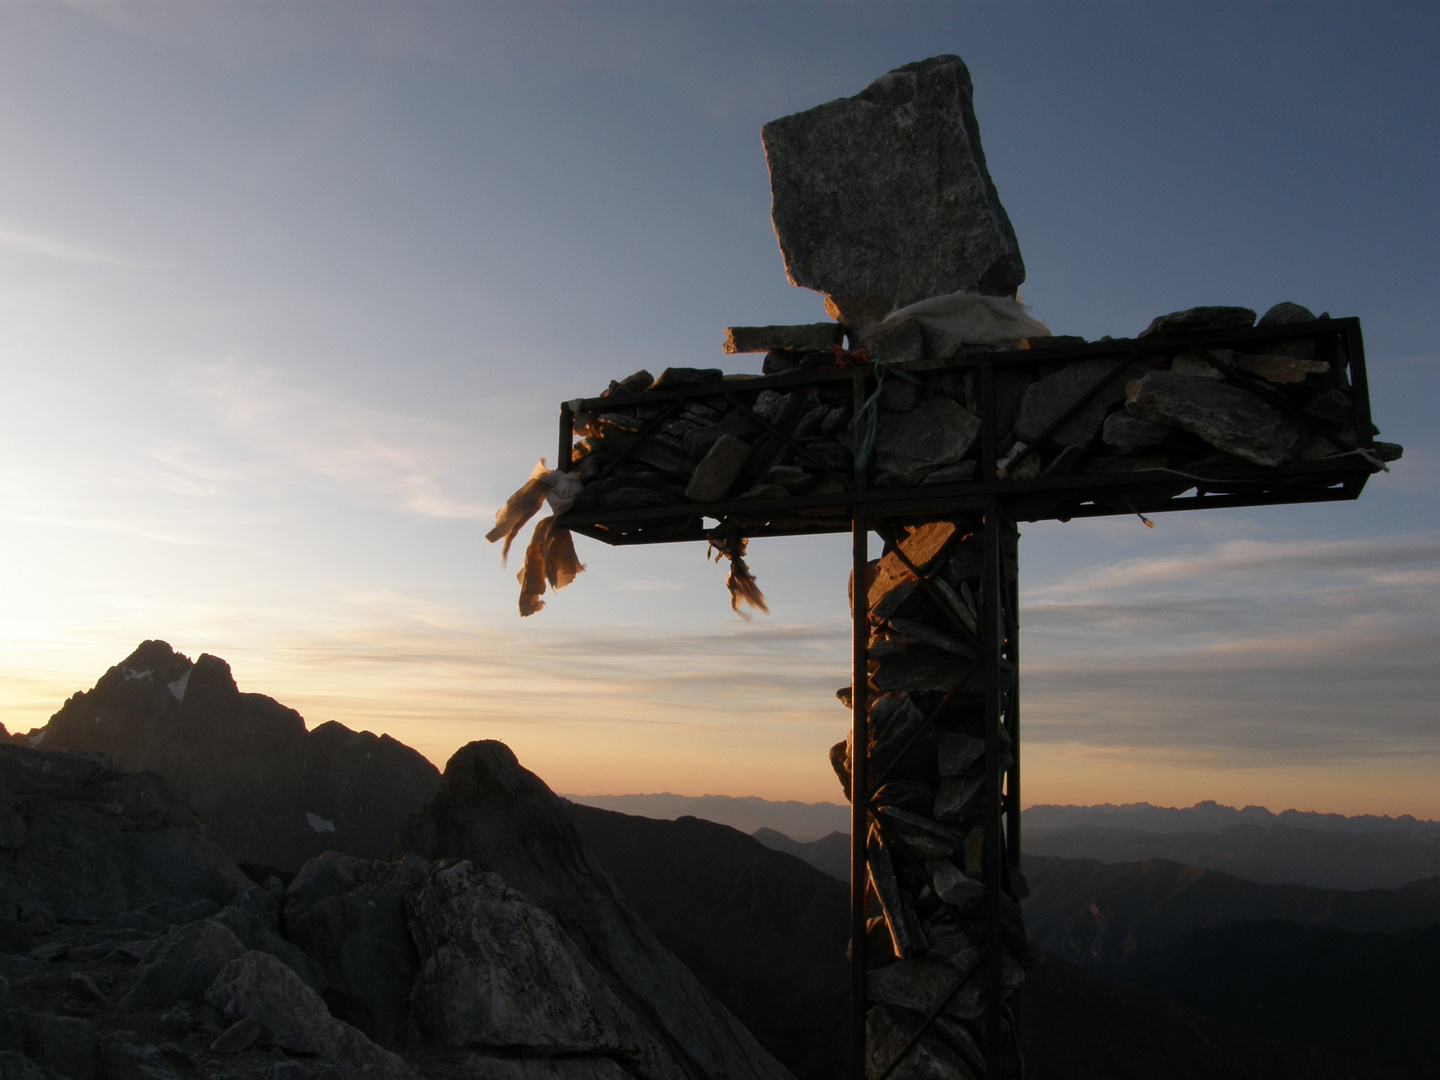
(550, 555)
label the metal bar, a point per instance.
(991, 581)
(989, 452)
(565, 454)
(941, 499)
(1359, 384)
(859, 789)
(1012, 634)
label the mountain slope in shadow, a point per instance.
(763, 931)
(1104, 915)
(1270, 854)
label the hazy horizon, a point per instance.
(290, 294)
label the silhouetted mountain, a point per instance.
(799, 820)
(1369, 996)
(1106, 916)
(1210, 816)
(1275, 854)
(711, 896)
(763, 931)
(830, 854)
(270, 791)
(502, 817)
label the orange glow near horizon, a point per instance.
(610, 744)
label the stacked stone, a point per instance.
(929, 778)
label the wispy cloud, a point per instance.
(31, 242)
(378, 457)
(1295, 651)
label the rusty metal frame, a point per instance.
(1001, 503)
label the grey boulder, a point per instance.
(293, 1017)
(1227, 417)
(499, 972)
(349, 915)
(886, 194)
(504, 819)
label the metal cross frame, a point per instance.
(996, 504)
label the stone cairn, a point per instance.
(883, 203)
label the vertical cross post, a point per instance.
(859, 790)
(993, 640)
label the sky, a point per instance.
(290, 294)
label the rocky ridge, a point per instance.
(271, 792)
(132, 944)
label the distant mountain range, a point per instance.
(1210, 816)
(1274, 855)
(811, 821)
(797, 820)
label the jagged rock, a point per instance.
(1124, 430)
(887, 1031)
(957, 752)
(886, 194)
(1199, 318)
(1331, 407)
(921, 984)
(686, 376)
(99, 843)
(920, 545)
(956, 794)
(252, 771)
(718, 470)
(349, 914)
(894, 341)
(129, 1057)
(501, 817)
(258, 986)
(1271, 368)
(16, 1066)
(926, 839)
(912, 444)
(781, 361)
(253, 934)
(953, 885)
(1047, 399)
(1285, 312)
(182, 966)
(810, 337)
(497, 971)
(68, 1044)
(489, 1068)
(1227, 417)
(919, 670)
(906, 932)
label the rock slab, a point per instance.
(886, 194)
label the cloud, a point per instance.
(375, 456)
(1287, 651)
(53, 247)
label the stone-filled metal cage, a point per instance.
(824, 451)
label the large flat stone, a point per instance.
(911, 445)
(1047, 399)
(809, 337)
(1225, 416)
(886, 194)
